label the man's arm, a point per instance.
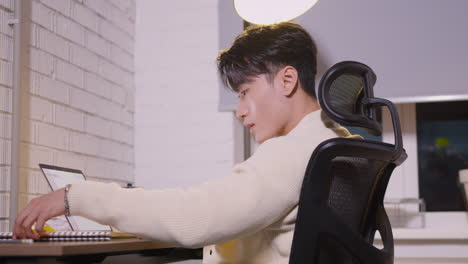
(254, 195)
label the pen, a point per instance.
(16, 241)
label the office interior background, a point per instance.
(127, 91)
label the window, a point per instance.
(414, 221)
(442, 143)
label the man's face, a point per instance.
(260, 108)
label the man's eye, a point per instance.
(242, 93)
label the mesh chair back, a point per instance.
(345, 92)
(351, 189)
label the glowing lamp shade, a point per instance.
(271, 11)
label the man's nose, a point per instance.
(241, 111)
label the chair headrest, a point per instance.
(346, 95)
(342, 92)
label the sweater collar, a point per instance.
(311, 119)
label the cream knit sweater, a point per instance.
(248, 215)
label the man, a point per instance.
(249, 214)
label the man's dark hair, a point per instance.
(265, 49)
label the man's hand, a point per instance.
(38, 211)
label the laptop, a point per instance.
(59, 177)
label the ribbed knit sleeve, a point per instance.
(255, 194)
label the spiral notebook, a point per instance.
(73, 236)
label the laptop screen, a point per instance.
(57, 178)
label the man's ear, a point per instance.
(289, 79)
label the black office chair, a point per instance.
(341, 201)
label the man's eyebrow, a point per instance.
(243, 87)
(245, 81)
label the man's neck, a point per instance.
(303, 106)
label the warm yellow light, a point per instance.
(271, 11)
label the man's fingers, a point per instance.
(27, 224)
(19, 235)
(40, 225)
(18, 228)
(38, 210)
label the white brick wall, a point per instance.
(5, 99)
(6, 80)
(53, 44)
(6, 52)
(61, 6)
(70, 30)
(41, 110)
(6, 73)
(4, 179)
(5, 128)
(84, 144)
(7, 4)
(84, 58)
(69, 118)
(41, 61)
(97, 85)
(32, 182)
(97, 44)
(50, 136)
(76, 111)
(46, 87)
(42, 15)
(98, 126)
(6, 14)
(70, 73)
(4, 203)
(5, 152)
(84, 101)
(84, 16)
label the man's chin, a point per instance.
(259, 140)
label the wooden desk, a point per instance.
(77, 251)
